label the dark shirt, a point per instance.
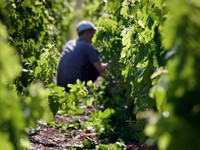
(75, 55)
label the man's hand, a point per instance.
(104, 67)
(101, 67)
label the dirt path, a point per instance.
(47, 137)
(63, 137)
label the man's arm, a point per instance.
(101, 67)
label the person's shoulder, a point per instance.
(84, 44)
(71, 42)
(69, 46)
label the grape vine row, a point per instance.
(151, 91)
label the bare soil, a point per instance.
(52, 137)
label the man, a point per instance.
(79, 60)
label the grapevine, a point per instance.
(149, 94)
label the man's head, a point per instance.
(86, 30)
